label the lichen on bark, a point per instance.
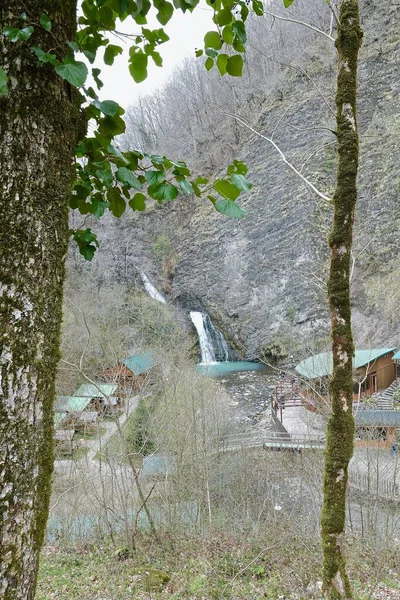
(340, 432)
(39, 125)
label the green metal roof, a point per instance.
(397, 356)
(157, 466)
(377, 418)
(59, 418)
(141, 363)
(96, 391)
(65, 404)
(321, 365)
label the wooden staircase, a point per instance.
(385, 400)
(286, 393)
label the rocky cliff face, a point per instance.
(263, 279)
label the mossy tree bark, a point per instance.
(39, 127)
(340, 433)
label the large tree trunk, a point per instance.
(39, 123)
(340, 434)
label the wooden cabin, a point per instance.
(131, 373)
(102, 397)
(376, 428)
(70, 412)
(374, 370)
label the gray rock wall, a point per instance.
(262, 279)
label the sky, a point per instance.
(186, 32)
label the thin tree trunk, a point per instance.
(39, 123)
(340, 434)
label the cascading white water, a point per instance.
(213, 347)
(151, 290)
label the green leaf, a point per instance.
(287, 3)
(3, 82)
(239, 29)
(95, 74)
(74, 46)
(108, 107)
(229, 209)
(138, 202)
(99, 207)
(224, 17)
(26, 33)
(154, 177)
(237, 167)
(157, 58)
(128, 178)
(237, 45)
(13, 34)
(234, 65)
(241, 182)
(87, 242)
(116, 153)
(45, 22)
(226, 189)
(244, 11)
(75, 72)
(111, 125)
(110, 53)
(258, 7)
(196, 189)
(107, 17)
(90, 10)
(222, 62)
(185, 186)
(227, 34)
(212, 39)
(117, 203)
(104, 176)
(211, 52)
(157, 159)
(201, 180)
(209, 63)
(45, 57)
(138, 66)
(165, 12)
(199, 52)
(163, 192)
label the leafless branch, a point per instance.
(283, 157)
(304, 23)
(315, 152)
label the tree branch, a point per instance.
(304, 23)
(281, 154)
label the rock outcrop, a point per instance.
(262, 279)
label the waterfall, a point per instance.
(151, 290)
(213, 346)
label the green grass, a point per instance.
(218, 568)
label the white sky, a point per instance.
(186, 32)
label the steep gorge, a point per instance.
(262, 279)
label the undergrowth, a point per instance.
(218, 568)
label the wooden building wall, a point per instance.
(384, 370)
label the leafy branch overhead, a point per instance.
(106, 177)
